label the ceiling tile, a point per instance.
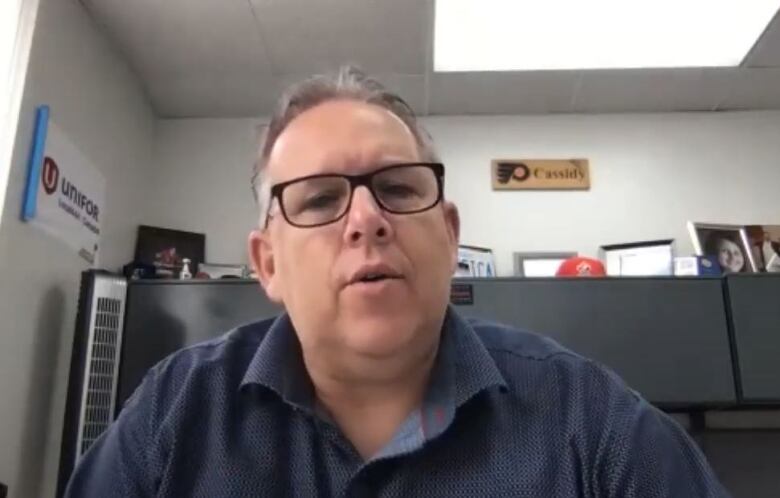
(381, 36)
(501, 93)
(653, 90)
(699, 89)
(184, 36)
(234, 57)
(248, 95)
(766, 52)
(223, 95)
(623, 90)
(754, 88)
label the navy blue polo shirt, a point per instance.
(507, 413)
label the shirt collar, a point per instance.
(462, 369)
(473, 368)
(278, 365)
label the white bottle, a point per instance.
(185, 274)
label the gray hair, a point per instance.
(349, 83)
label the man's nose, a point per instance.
(366, 222)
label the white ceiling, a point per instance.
(231, 58)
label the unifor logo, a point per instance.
(50, 175)
(517, 171)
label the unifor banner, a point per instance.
(65, 192)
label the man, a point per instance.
(370, 385)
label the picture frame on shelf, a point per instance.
(650, 258)
(765, 246)
(729, 244)
(221, 270)
(540, 264)
(166, 249)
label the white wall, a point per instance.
(650, 174)
(202, 183)
(96, 100)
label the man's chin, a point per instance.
(379, 335)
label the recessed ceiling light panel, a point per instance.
(517, 35)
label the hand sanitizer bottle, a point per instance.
(185, 274)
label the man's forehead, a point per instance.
(340, 134)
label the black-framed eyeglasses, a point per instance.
(317, 200)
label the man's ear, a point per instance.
(261, 254)
(452, 220)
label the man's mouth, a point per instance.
(375, 274)
(376, 277)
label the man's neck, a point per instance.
(370, 408)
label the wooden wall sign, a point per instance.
(540, 174)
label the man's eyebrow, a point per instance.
(393, 159)
(389, 162)
(375, 161)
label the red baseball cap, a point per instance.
(581, 267)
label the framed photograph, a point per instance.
(728, 243)
(652, 258)
(166, 249)
(539, 264)
(765, 245)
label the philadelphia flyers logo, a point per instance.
(517, 171)
(50, 175)
(584, 269)
(521, 173)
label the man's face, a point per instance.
(312, 271)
